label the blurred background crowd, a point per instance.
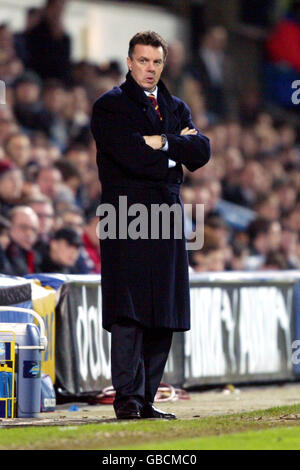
(49, 187)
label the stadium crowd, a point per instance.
(49, 187)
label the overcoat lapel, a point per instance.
(167, 109)
(166, 104)
(136, 93)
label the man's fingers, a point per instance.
(187, 131)
(190, 132)
(183, 131)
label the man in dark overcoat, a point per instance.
(142, 144)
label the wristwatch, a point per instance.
(164, 140)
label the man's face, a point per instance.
(80, 159)
(24, 229)
(63, 253)
(11, 185)
(45, 214)
(49, 181)
(27, 93)
(74, 221)
(55, 99)
(146, 65)
(19, 149)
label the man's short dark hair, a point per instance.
(76, 147)
(67, 169)
(53, 84)
(258, 226)
(69, 235)
(148, 38)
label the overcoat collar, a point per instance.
(165, 100)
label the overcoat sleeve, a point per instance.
(118, 137)
(193, 151)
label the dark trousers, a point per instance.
(138, 358)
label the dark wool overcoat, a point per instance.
(144, 279)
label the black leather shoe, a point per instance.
(149, 411)
(128, 410)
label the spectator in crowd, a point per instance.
(78, 154)
(49, 46)
(214, 71)
(73, 218)
(18, 149)
(211, 257)
(92, 188)
(77, 113)
(274, 261)
(23, 233)
(49, 180)
(70, 174)
(28, 108)
(251, 182)
(6, 42)
(33, 17)
(293, 218)
(288, 246)
(174, 73)
(192, 197)
(215, 190)
(53, 152)
(11, 183)
(54, 122)
(43, 208)
(8, 124)
(267, 206)
(240, 253)
(286, 193)
(5, 266)
(64, 200)
(198, 261)
(29, 190)
(264, 236)
(63, 252)
(10, 65)
(221, 232)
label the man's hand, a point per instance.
(154, 141)
(187, 131)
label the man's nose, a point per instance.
(150, 67)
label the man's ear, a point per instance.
(129, 63)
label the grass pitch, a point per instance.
(275, 428)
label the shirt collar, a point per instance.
(154, 92)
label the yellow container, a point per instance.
(7, 378)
